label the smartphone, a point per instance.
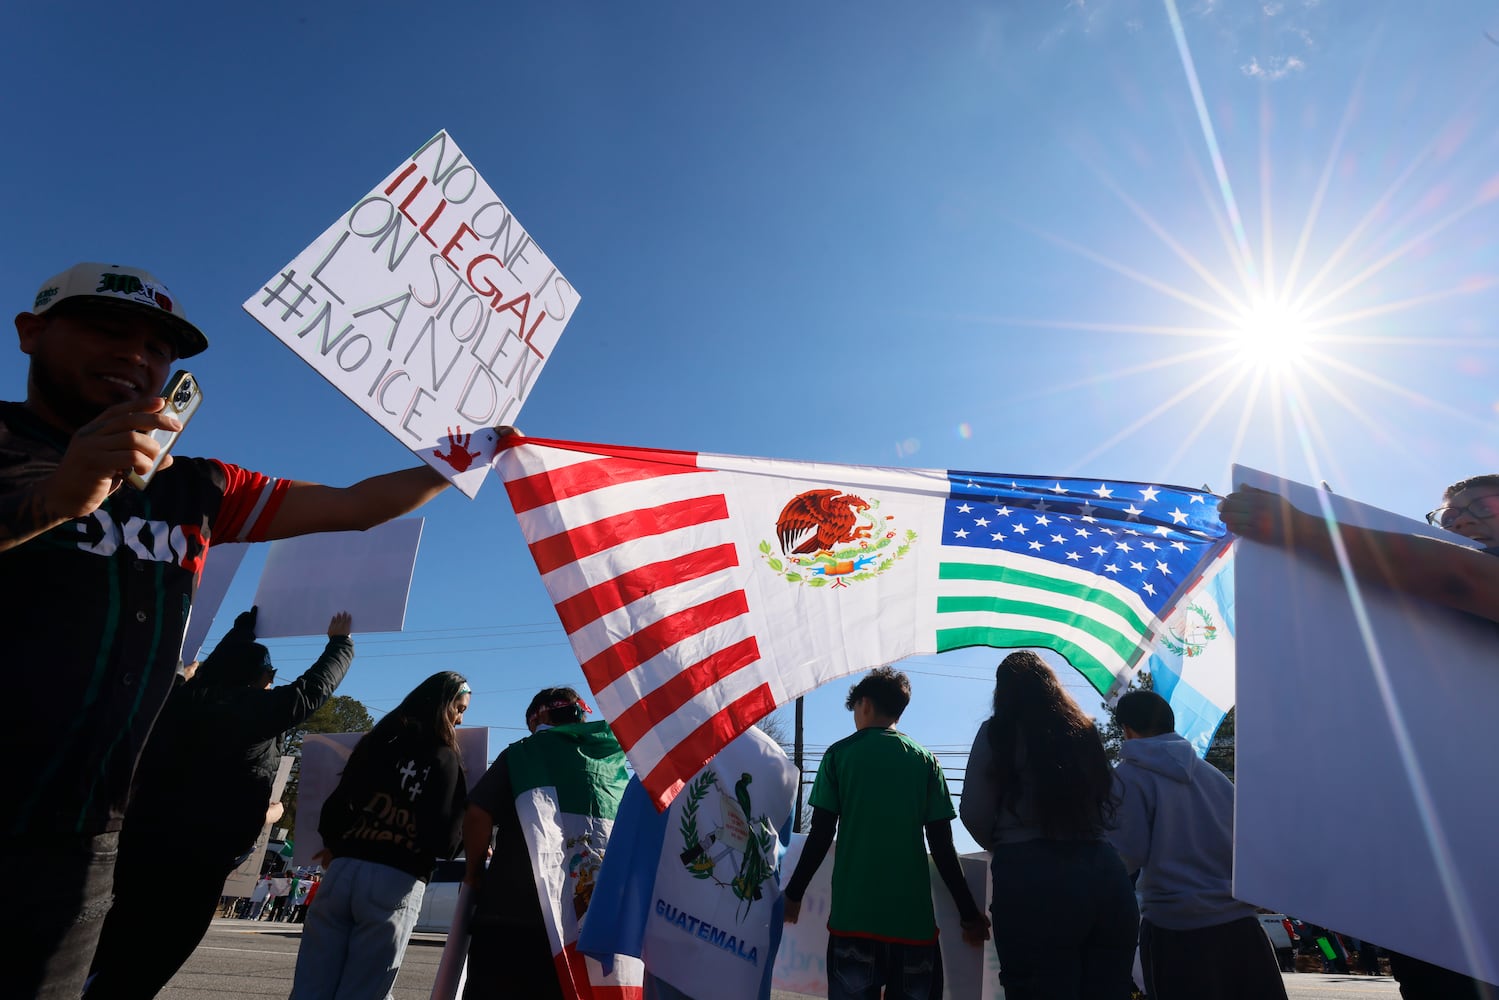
(183, 396)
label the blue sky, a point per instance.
(954, 235)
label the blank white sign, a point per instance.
(1366, 779)
(219, 567)
(366, 573)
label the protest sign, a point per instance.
(310, 578)
(427, 305)
(1363, 797)
(969, 972)
(241, 881)
(323, 758)
(219, 567)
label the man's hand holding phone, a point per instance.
(180, 399)
(103, 452)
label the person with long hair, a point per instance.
(397, 810)
(1039, 795)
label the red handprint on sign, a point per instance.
(458, 456)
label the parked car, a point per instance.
(441, 898)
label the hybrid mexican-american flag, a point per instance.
(702, 591)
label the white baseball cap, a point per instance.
(129, 287)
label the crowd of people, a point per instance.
(1089, 862)
(282, 897)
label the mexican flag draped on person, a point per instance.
(547, 805)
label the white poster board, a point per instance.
(309, 579)
(241, 881)
(1365, 787)
(323, 759)
(968, 972)
(219, 567)
(427, 305)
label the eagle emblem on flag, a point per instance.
(831, 538)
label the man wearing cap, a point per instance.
(100, 577)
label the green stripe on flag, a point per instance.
(582, 762)
(1085, 663)
(1039, 581)
(1122, 645)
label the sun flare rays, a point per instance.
(1244, 324)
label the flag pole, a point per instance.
(796, 758)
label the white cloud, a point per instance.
(1274, 68)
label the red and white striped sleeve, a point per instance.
(249, 506)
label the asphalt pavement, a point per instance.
(242, 959)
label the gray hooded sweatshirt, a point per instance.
(1175, 826)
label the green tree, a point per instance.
(1221, 751)
(1111, 731)
(339, 714)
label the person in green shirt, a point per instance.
(879, 790)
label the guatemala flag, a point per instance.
(695, 891)
(1192, 666)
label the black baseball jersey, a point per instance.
(92, 623)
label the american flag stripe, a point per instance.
(661, 741)
(642, 581)
(598, 636)
(667, 699)
(656, 638)
(580, 478)
(665, 780)
(648, 597)
(602, 535)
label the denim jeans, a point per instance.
(859, 967)
(60, 890)
(1065, 921)
(355, 937)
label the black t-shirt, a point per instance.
(92, 623)
(400, 804)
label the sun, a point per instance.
(1272, 334)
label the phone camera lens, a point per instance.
(183, 394)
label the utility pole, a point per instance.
(796, 758)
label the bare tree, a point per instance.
(775, 726)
